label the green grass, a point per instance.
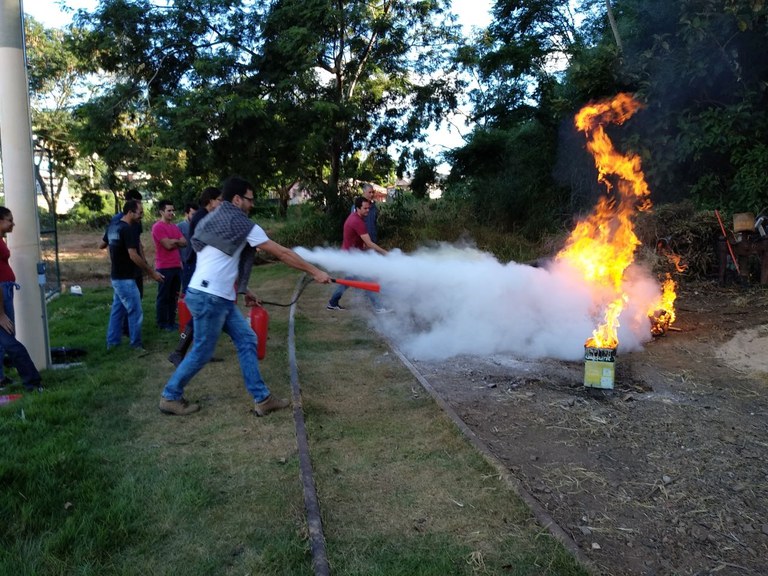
(95, 481)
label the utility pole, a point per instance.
(19, 183)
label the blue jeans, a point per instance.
(341, 288)
(126, 303)
(8, 288)
(20, 360)
(15, 350)
(212, 315)
(167, 295)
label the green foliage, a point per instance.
(700, 135)
(686, 232)
(399, 223)
(507, 176)
(706, 110)
(306, 227)
(727, 156)
(424, 175)
(92, 201)
(750, 183)
(318, 93)
(92, 211)
(55, 81)
(409, 223)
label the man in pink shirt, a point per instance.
(168, 239)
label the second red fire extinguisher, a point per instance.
(260, 325)
(184, 314)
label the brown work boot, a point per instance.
(178, 407)
(271, 404)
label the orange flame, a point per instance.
(662, 314)
(602, 246)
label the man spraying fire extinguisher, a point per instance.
(224, 242)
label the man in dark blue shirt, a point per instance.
(127, 263)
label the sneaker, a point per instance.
(178, 407)
(336, 307)
(271, 404)
(382, 310)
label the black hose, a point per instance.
(304, 283)
(314, 520)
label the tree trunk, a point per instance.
(284, 196)
(332, 191)
(614, 28)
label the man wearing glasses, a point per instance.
(168, 240)
(225, 242)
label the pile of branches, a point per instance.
(680, 230)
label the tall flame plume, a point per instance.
(602, 246)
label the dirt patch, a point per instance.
(81, 261)
(665, 474)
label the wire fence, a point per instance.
(49, 254)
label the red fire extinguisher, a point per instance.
(184, 314)
(260, 325)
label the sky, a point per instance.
(50, 13)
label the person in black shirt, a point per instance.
(126, 262)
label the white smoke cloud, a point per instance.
(449, 300)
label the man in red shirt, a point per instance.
(168, 239)
(356, 237)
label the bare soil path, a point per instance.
(665, 474)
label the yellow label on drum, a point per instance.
(598, 374)
(599, 366)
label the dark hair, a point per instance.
(234, 186)
(4, 212)
(359, 200)
(210, 193)
(189, 206)
(133, 194)
(163, 203)
(131, 206)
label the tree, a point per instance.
(55, 82)
(507, 164)
(706, 119)
(425, 175)
(282, 91)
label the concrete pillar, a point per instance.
(19, 182)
